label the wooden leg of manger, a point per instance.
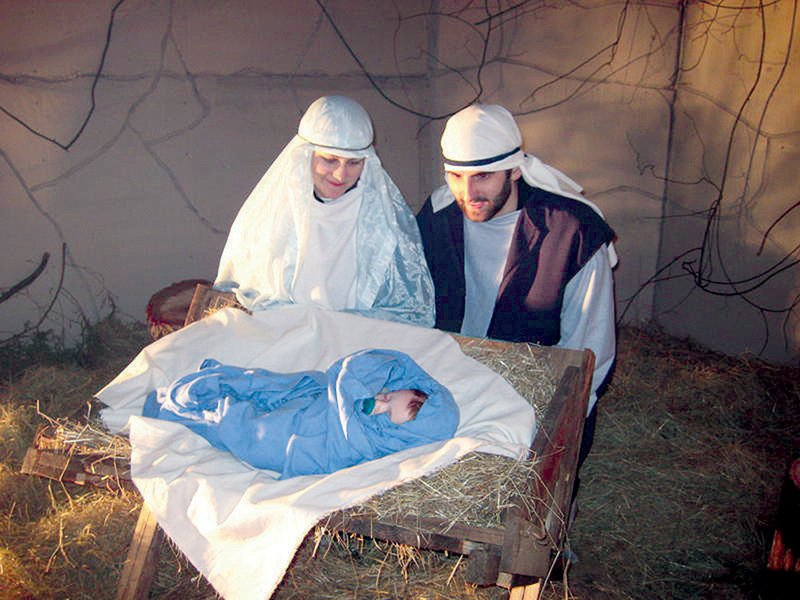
(525, 592)
(520, 587)
(140, 565)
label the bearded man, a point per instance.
(515, 251)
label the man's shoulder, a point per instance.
(438, 205)
(539, 200)
(538, 197)
(440, 199)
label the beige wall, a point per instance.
(197, 98)
(195, 101)
(733, 184)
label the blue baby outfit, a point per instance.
(307, 422)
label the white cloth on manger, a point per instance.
(226, 516)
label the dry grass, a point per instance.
(676, 498)
(59, 541)
(473, 492)
(680, 489)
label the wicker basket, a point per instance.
(167, 308)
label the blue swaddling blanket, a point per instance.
(307, 422)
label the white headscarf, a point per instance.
(485, 137)
(338, 124)
(268, 238)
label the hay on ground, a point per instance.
(676, 498)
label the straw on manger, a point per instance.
(475, 491)
(87, 437)
(529, 374)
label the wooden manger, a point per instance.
(517, 551)
(513, 549)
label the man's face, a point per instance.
(483, 195)
(334, 175)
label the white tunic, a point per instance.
(485, 251)
(326, 275)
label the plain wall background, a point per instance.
(680, 122)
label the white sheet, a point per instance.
(238, 525)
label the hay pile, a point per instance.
(676, 497)
(680, 490)
(59, 541)
(473, 492)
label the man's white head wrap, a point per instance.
(482, 137)
(485, 137)
(267, 241)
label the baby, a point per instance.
(366, 405)
(402, 405)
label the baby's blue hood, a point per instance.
(363, 374)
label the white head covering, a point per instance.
(482, 137)
(337, 124)
(268, 238)
(485, 137)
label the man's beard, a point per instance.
(494, 205)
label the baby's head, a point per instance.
(402, 406)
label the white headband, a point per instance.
(482, 137)
(485, 137)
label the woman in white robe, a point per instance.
(327, 226)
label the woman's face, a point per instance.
(334, 175)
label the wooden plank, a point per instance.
(527, 549)
(142, 560)
(418, 532)
(525, 592)
(484, 558)
(81, 470)
(561, 358)
(483, 565)
(207, 300)
(531, 535)
(197, 307)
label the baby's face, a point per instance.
(396, 404)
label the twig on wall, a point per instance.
(35, 327)
(702, 268)
(21, 285)
(92, 100)
(378, 87)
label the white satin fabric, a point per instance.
(327, 277)
(269, 238)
